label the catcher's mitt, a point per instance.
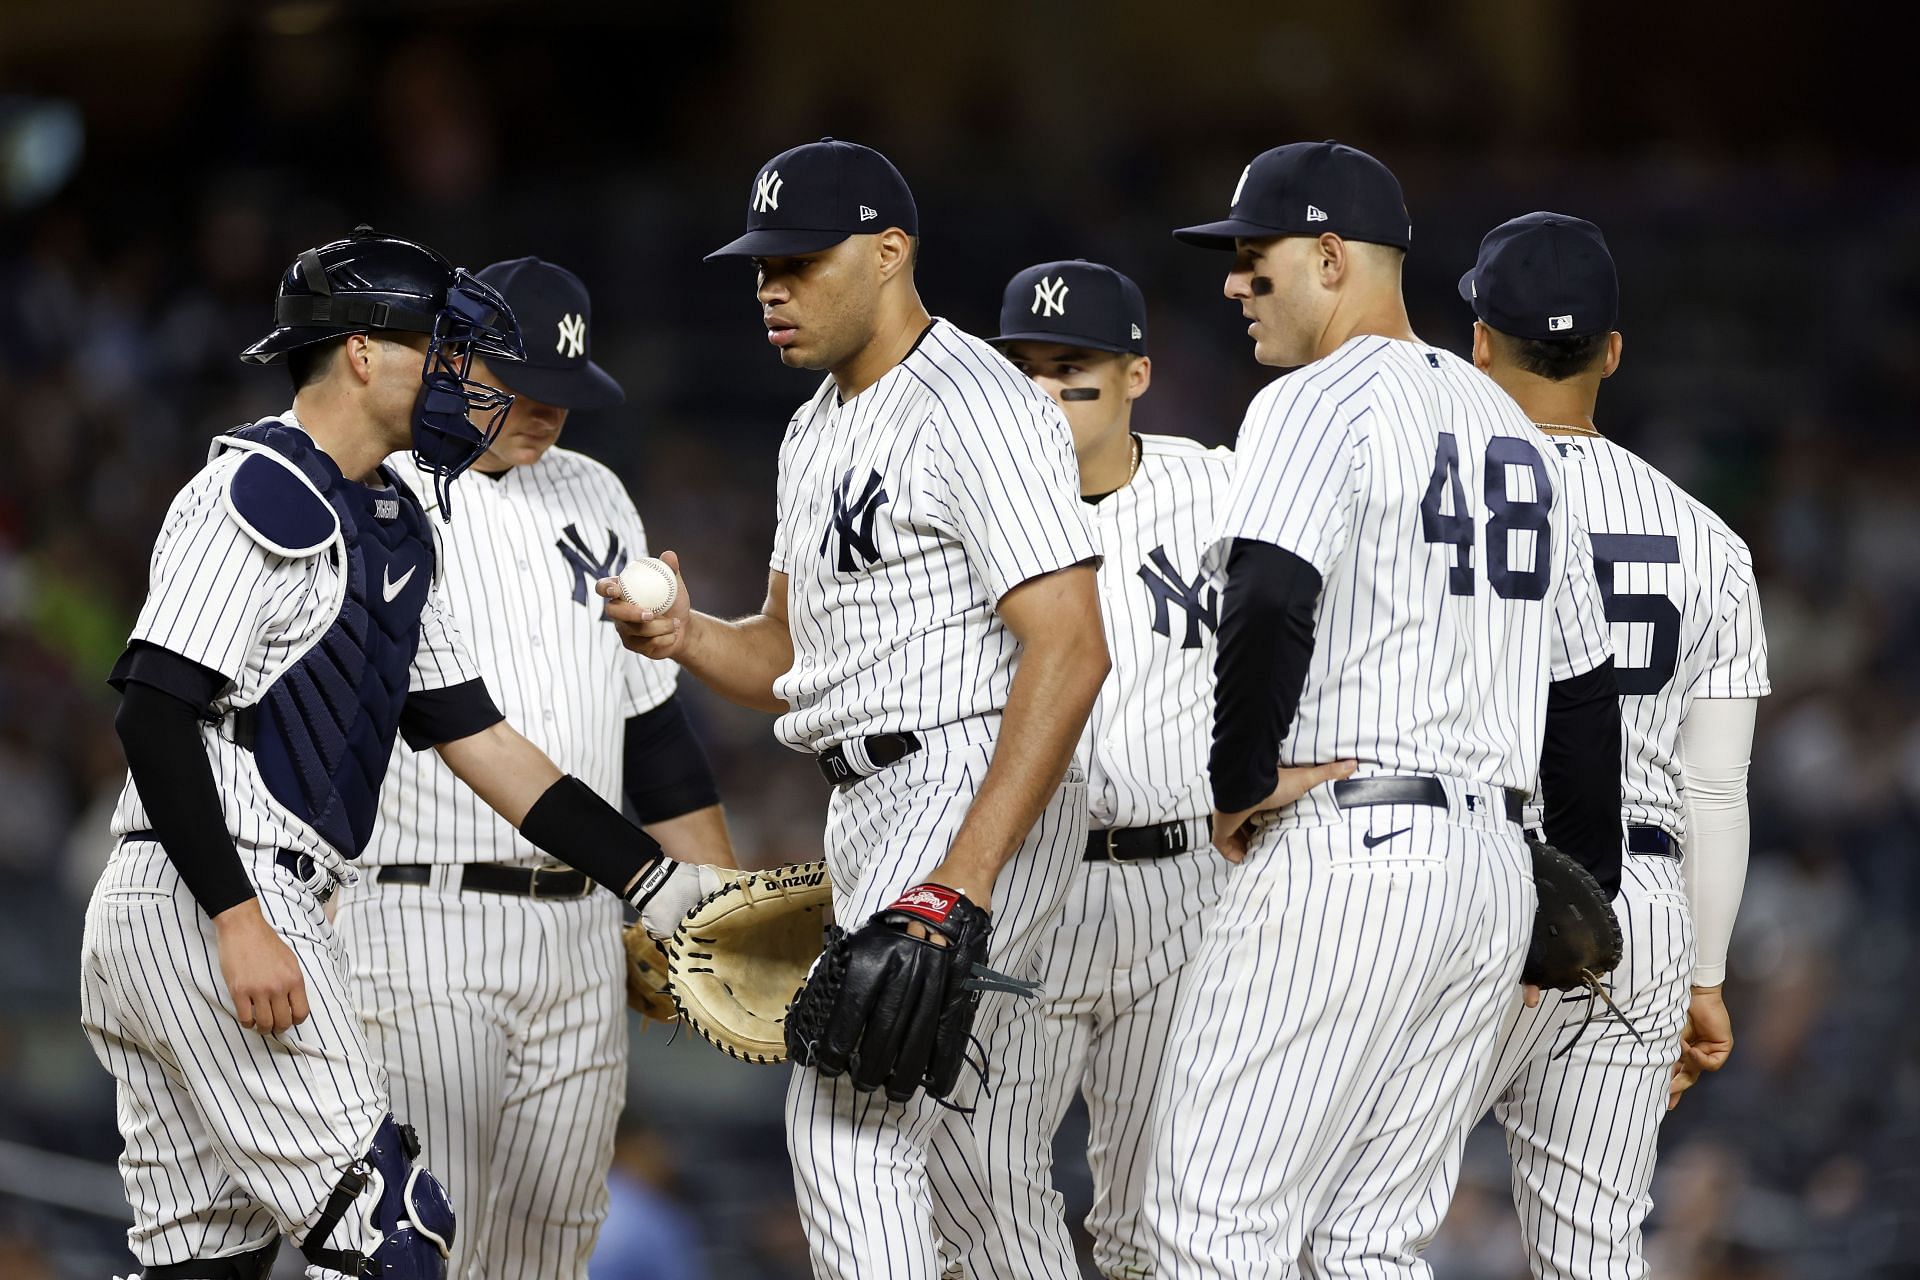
(1576, 936)
(647, 975)
(736, 961)
(895, 1010)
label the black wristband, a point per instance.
(576, 826)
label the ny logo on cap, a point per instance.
(1316, 214)
(573, 336)
(1557, 323)
(1050, 296)
(1239, 186)
(766, 191)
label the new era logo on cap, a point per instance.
(1315, 214)
(868, 215)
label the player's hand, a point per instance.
(1530, 994)
(261, 971)
(1706, 1042)
(652, 635)
(1232, 832)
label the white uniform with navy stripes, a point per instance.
(1582, 1106)
(1342, 1011)
(1111, 964)
(500, 1019)
(904, 515)
(232, 1136)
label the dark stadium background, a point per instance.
(1754, 169)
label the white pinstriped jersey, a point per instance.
(518, 568)
(1455, 585)
(1678, 589)
(903, 516)
(1146, 742)
(217, 597)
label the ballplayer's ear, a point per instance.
(360, 356)
(1482, 347)
(1139, 377)
(895, 250)
(1334, 259)
(1614, 344)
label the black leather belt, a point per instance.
(1651, 841)
(1137, 844)
(300, 866)
(1363, 793)
(882, 749)
(494, 877)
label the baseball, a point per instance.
(649, 583)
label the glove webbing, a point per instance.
(1594, 988)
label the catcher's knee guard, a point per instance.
(396, 1220)
(255, 1264)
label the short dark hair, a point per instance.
(1557, 359)
(305, 365)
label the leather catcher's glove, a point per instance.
(740, 955)
(895, 1011)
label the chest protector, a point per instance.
(323, 732)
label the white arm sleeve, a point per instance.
(1716, 742)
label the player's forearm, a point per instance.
(1716, 741)
(1260, 667)
(1052, 694)
(699, 836)
(739, 659)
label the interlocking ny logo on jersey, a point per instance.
(587, 568)
(860, 512)
(573, 336)
(1168, 587)
(766, 191)
(1050, 296)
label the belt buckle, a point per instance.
(533, 882)
(1113, 855)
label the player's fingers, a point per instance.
(672, 559)
(297, 1000)
(242, 1007)
(1531, 994)
(281, 1014)
(1332, 772)
(609, 588)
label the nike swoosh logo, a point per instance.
(388, 587)
(1367, 840)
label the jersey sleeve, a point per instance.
(211, 587)
(779, 560)
(1007, 485)
(645, 683)
(1736, 660)
(1580, 639)
(442, 659)
(1293, 485)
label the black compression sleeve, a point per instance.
(1580, 772)
(433, 716)
(167, 671)
(576, 826)
(667, 770)
(160, 733)
(1266, 641)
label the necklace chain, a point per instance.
(1134, 469)
(1566, 429)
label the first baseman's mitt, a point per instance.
(1576, 936)
(647, 974)
(893, 1010)
(736, 961)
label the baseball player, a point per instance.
(1111, 963)
(1582, 1103)
(490, 982)
(1403, 587)
(932, 635)
(294, 626)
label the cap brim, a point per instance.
(771, 242)
(588, 387)
(1065, 340)
(1467, 290)
(1221, 235)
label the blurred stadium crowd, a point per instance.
(1772, 319)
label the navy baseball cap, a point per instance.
(556, 321)
(816, 195)
(1544, 275)
(1080, 303)
(1306, 189)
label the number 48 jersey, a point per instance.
(1455, 585)
(1679, 592)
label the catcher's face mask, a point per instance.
(456, 418)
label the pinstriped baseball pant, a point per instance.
(1338, 1023)
(1582, 1127)
(880, 1184)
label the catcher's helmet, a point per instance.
(370, 282)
